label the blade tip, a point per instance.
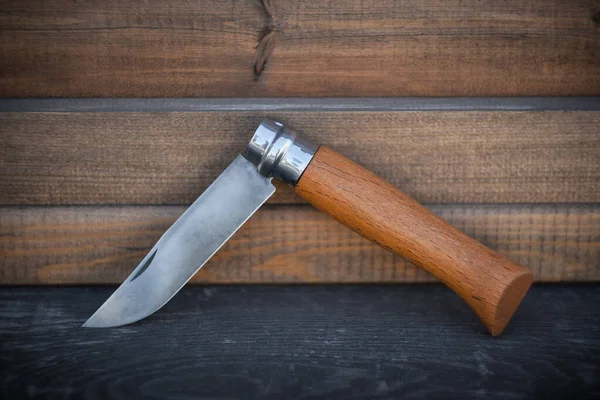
(90, 324)
(96, 321)
(99, 321)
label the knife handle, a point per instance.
(491, 284)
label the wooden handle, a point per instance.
(491, 284)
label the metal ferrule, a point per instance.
(277, 152)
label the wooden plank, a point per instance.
(284, 244)
(180, 48)
(170, 158)
(334, 342)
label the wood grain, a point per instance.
(170, 158)
(317, 342)
(182, 48)
(491, 284)
(284, 244)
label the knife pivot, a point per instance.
(278, 152)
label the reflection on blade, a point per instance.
(204, 227)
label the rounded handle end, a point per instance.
(508, 302)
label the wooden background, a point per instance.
(116, 114)
(187, 48)
(84, 193)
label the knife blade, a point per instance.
(491, 284)
(186, 246)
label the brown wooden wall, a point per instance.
(84, 192)
(285, 244)
(209, 48)
(100, 187)
(169, 158)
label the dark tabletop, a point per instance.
(300, 342)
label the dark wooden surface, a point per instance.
(170, 158)
(279, 244)
(303, 342)
(209, 48)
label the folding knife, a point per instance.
(491, 284)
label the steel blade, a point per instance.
(186, 246)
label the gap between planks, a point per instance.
(284, 244)
(326, 104)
